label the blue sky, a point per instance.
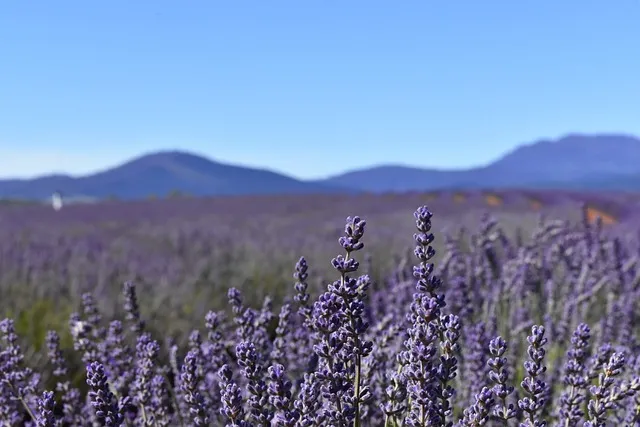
(309, 88)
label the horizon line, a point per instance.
(196, 153)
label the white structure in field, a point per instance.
(56, 201)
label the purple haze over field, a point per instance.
(185, 311)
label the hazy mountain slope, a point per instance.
(565, 162)
(606, 161)
(159, 174)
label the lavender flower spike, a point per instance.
(46, 406)
(103, 401)
(533, 384)
(189, 383)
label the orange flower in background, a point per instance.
(594, 213)
(536, 205)
(493, 200)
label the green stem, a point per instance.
(571, 405)
(28, 409)
(356, 422)
(392, 419)
(144, 415)
(174, 399)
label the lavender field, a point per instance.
(514, 308)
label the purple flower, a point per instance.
(575, 377)
(499, 375)
(250, 361)
(218, 357)
(279, 352)
(448, 368)
(82, 338)
(340, 327)
(131, 307)
(479, 413)
(93, 316)
(55, 355)
(279, 390)
(475, 361)
(533, 383)
(301, 286)
(427, 379)
(118, 358)
(420, 369)
(107, 411)
(394, 397)
(160, 402)
(147, 352)
(427, 283)
(192, 396)
(604, 395)
(245, 317)
(231, 396)
(309, 403)
(18, 381)
(46, 405)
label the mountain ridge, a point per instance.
(159, 174)
(568, 160)
(574, 161)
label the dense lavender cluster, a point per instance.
(502, 332)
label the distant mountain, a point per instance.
(580, 162)
(574, 161)
(160, 174)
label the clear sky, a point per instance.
(309, 87)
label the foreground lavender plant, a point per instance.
(46, 406)
(249, 361)
(147, 352)
(107, 410)
(575, 377)
(231, 396)
(132, 308)
(427, 387)
(18, 381)
(533, 384)
(479, 413)
(280, 397)
(193, 398)
(499, 374)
